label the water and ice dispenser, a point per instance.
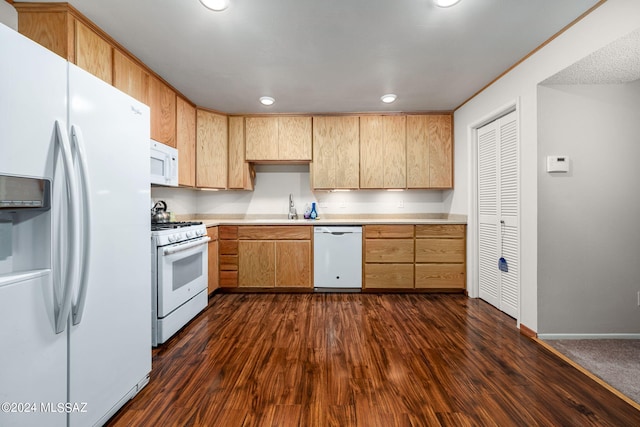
(25, 224)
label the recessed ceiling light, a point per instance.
(388, 98)
(445, 3)
(217, 5)
(267, 100)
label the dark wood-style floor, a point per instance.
(363, 360)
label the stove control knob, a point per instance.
(200, 232)
(189, 235)
(172, 239)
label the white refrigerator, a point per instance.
(75, 330)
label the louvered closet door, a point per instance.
(498, 199)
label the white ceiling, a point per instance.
(330, 55)
(616, 63)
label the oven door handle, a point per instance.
(185, 246)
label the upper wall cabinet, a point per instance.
(241, 173)
(212, 149)
(429, 152)
(383, 154)
(336, 153)
(186, 142)
(61, 28)
(130, 77)
(58, 27)
(162, 102)
(278, 138)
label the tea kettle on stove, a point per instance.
(159, 212)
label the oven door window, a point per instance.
(181, 276)
(187, 270)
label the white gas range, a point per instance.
(179, 275)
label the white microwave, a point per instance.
(164, 164)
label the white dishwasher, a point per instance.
(337, 257)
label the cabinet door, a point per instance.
(214, 282)
(371, 152)
(261, 138)
(53, 30)
(130, 77)
(186, 142)
(383, 153)
(293, 264)
(239, 170)
(418, 152)
(93, 53)
(256, 263)
(162, 101)
(395, 152)
(440, 152)
(336, 152)
(294, 138)
(211, 155)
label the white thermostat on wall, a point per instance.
(557, 164)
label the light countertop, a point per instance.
(354, 219)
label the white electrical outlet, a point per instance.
(401, 204)
(343, 205)
(323, 204)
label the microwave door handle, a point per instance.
(85, 223)
(167, 171)
(69, 277)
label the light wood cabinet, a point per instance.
(61, 29)
(336, 152)
(186, 142)
(388, 256)
(241, 173)
(278, 138)
(429, 151)
(440, 256)
(430, 256)
(162, 102)
(211, 151)
(383, 152)
(228, 255)
(256, 263)
(130, 77)
(93, 53)
(274, 256)
(214, 282)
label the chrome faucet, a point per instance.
(292, 209)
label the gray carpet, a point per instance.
(616, 362)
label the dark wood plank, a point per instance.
(363, 360)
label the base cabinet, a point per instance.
(405, 257)
(214, 282)
(266, 257)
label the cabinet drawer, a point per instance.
(451, 231)
(228, 247)
(388, 231)
(275, 232)
(440, 250)
(388, 276)
(228, 279)
(442, 276)
(228, 232)
(389, 250)
(229, 262)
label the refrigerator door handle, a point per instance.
(85, 223)
(63, 306)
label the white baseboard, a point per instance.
(589, 336)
